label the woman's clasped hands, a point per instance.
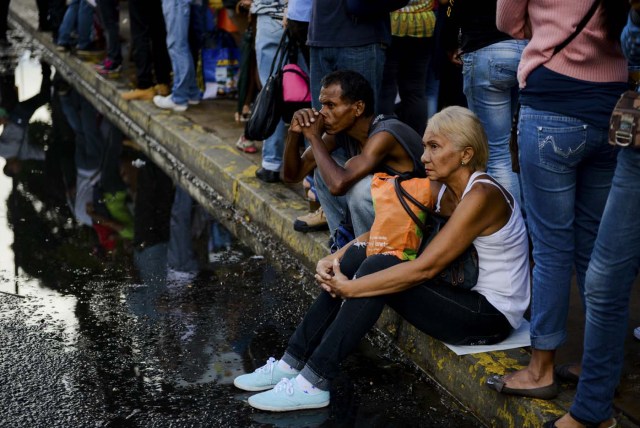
(331, 279)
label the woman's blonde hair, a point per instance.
(463, 128)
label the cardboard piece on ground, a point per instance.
(517, 339)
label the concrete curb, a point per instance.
(223, 181)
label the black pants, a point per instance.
(109, 15)
(149, 43)
(332, 327)
(405, 72)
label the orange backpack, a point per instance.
(394, 231)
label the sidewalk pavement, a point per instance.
(197, 149)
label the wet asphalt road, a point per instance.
(98, 343)
(90, 341)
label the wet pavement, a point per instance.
(100, 339)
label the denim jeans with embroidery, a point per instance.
(566, 170)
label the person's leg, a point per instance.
(108, 10)
(490, 86)
(85, 24)
(367, 60)
(140, 22)
(56, 13)
(68, 24)
(180, 256)
(268, 34)
(322, 62)
(176, 14)
(158, 35)
(334, 207)
(412, 77)
(360, 205)
(594, 179)
(613, 268)
(389, 86)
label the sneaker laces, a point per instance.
(285, 385)
(268, 367)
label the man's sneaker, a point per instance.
(311, 222)
(286, 396)
(167, 103)
(162, 89)
(108, 68)
(194, 101)
(636, 333)
(139, 94)
(265, 377)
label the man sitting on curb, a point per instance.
(348, 145)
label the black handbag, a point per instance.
(267, 108)
(463, 272)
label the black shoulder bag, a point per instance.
(464, 270)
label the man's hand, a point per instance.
(308, 121)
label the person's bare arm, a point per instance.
(339, 179)
(479, 213)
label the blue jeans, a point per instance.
(180, 254)
(176, 16)
(491, 88)
(367, 60)
(82, 116)
(566, 170)
(268, 33)
(78, 17)
(332, 327)
(357, 201)
(612, 270)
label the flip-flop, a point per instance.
(563, 373)
(548, 392)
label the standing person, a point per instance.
(109, 14)
(566, 162)
(489, 60)
(149, 44)
(269, 30)
(407, 64)
(185, 89)
(614, 265)
(78, 19)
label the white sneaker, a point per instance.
(167, 103)
(636, 333)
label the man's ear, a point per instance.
(359, 108)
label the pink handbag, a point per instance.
(295, 85)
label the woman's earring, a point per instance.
(462, 163)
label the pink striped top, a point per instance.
(590, 56)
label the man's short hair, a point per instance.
(354, 88)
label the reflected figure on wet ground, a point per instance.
(356, 288)
(14, 142)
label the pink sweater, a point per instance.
(590, 56)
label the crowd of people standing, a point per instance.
(558, 67)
